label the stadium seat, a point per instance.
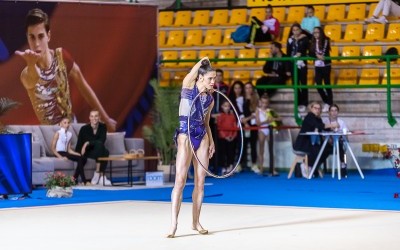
(394, 76)
(279, 13)
(257, 75)
(178, 77)
(393, 33)
(263, 53)
(175, 38)
(170, 55)
(310, 77)
(334, 52)
(259, 13)
(285, 34)
(350, 51)
(336, 12)
(347, 77)
(353, 32)
(212, 37)
(295, 14)
(371, 51)
(161, 38)
(357, 12)
(207, 53)
(186, 55)
(241, 75)
(375, 32)
(371, 9)
(165, 18)
(226, 53)
(227, 40)
(201, 17)
(165, 78)
(369, 77)
(246, 53)
(194, 37)
(238, 17)
(333, 31)
(319, 11)
(220, 17)
(183, 18)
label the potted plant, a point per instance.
(59, 185)
(5, 105)
(165, 121)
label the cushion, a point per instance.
(115, 143)
(48, 132)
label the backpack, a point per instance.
(241, 34)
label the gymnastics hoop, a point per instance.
(241, 137)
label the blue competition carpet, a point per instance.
(375, 192)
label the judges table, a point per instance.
(336, 158)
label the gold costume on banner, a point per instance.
(50, 97)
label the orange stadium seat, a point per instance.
(246, 53)
(257, 74)
(371, 51)
(165, 18)
(394, 76)
(186, 55)
(350, 51)
(183, 18)
(285, 34)
(295, 14)
(238, 16)
(357, 12)
(393, 33)
(165, 78)
(310, 77)
(194, 37)
(333, 31)
(319, 11)
(225, 54)
(161, 38)
(263, 53)
(334, 52)
(175, 38)
(336, 12)
(353, 32)
(220, 17)
(375, 32)
(347, 77)
(212, 37)
(227, 40)
(170, 55)
(201, 17)
(369, 76)
(279, 13)
(207, 53)
(258, 12)
(241, 75)
(178, 77)
(371, 9)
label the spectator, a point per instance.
(275, 72)
(227, 133)
(263, 31)
(297, 46)
(388, 8)
(91, 139)
(312, 123)
(309, 22)
(333, 118)
(61, 147)
(320, 48)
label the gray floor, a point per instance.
(144, 225)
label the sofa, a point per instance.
(44, 161)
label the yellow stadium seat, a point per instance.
(334, 52)
(295, 14)
(225, 54)
(319, 11)
(201, 17)
(165, 78)
(347, 77)
(207, 53)
(212, 37)
(178, 77)
(238, 16)
(393, 33)
(194, 38)
(258, 12)
(394, 76)
(161, 38)
(353, 32)
(241, 75)
(246, 53)
(336, 12)
(165, 18)
(371, 51)
(371, 8)
(183, 18)
(375, 32)
(333, 31)
(285, 35)
(175, 38)
(227, 40)
(279, 13)
(369, 77)
(187, 55)
(310, 77)
(350, 51)
(263, 53)
(357, 12)
(220, 17)
(170, 55)
(257, 74)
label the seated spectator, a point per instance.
(312, 123)
(275, 72)
(388, 8)
(263, 31)
(309, 22)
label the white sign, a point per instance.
(154, 179)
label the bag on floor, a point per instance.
(241, 34)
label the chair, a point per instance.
(165, 78)
(186, 55)
(175, 38)
(347, 77)
(375, 32)
(369, 77)
(279, 13)
(246, 53)
(257, 75)
(165, 18)
(220, 17)
(295, 14)
(212, 37)
(310, 77)
(394, 76)
(299, 157)
(263, 53)
(336, 12)
(333, 31)
(393, 33)
(259, 13)
(334, 52)
(207, 53)
(183, 18)
(285, 35)
(241, 75)
(201, 17)
(238, 16)
(371, 51)
(161, 38)
(371, 9)
(357, 12)
(178, 77)
(227, 40)
(224, 54)
(353, 32)
(319, 11)
(194, 38)
(170, 55)
(350, 51)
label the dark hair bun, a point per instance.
(205, 63)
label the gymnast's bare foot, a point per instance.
(172, 234)
(200, 229)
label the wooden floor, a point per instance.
(144, 225)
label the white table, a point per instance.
(336, 157)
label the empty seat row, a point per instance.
(363, 33)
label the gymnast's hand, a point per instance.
(211, 150)
(31, 57)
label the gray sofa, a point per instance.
(44, 161)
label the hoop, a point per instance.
(241, 137)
